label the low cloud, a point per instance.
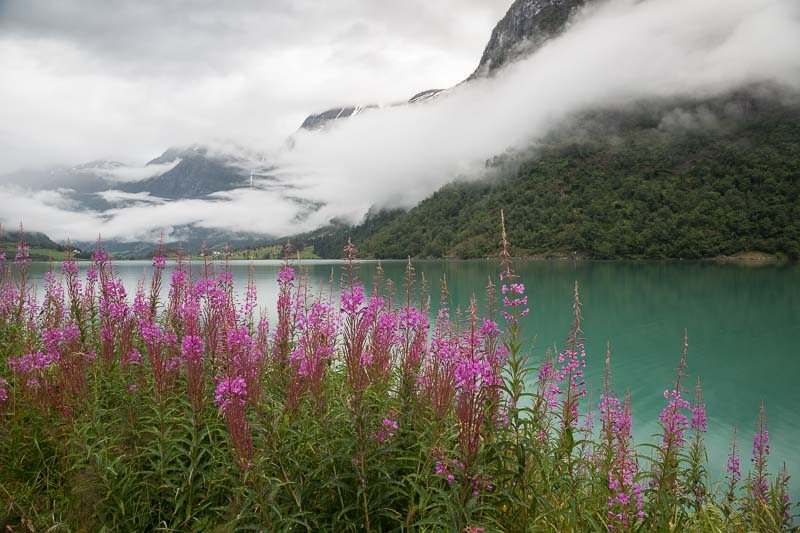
(136, 173)
(115, 197)
(259, 211)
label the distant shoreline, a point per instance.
(745, 258)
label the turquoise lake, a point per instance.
(743, 323)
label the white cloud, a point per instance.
(136, 173)
(121, 197)
(261, 211)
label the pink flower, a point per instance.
(192, 348)
(286, 275)
(352, 299)
(388, 431)
(230, 392)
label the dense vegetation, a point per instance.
(679, 179)
(353, 413)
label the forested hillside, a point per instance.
(672, 179)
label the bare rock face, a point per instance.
(527, 25)
(196, 174)
(318, 121)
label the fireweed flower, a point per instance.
(625, 501)
(163, 353)
(570, 373)
(673, 419)
(388, 429)
(445, 467)
(781, 501)
(318, 329)
(380, 352)
(569, 370)
(241, 357)
(22, 257)
(40, 381)
(69, 268)
(476, 380)
(358, 322)
(3, 391)
(514, 298)
(352, 300)
(99, 256)
(733, 473)
(286, 275)
(413, 330)
(699, 421)
(192, 350)
(281, 342)
(547, 383)
(436, 379)
(674, 424)
(231, 396)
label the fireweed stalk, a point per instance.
(758, 484)
(572, 361)
(733, 472)
(357, 320)
(617, 457)
(437, 379)
(697, 458)
(674, 423)
(516, 369)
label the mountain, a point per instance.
(195, 174)
(526, 26)
(178, 173)
(317, 121)
(682, 178)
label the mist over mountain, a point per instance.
(543, 66)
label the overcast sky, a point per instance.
(125, 80)
(87, 79)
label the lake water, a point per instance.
(743, 323)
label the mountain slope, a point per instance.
(679, 179)
(40, 246)
(197, 174)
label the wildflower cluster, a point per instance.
(121, 409)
